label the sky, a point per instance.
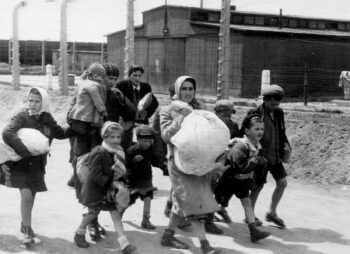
(91, 20)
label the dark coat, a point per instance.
(29, 171)
(279, 117)
(118, 106)
(127, 88)
(99, 178)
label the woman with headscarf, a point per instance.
(192, 195)
(28, 173)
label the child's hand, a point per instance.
(143, 114)
(262, 161)
(138, 158)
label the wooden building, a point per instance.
(174, 41)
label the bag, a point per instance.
(203, 137)
(144, 102)
(36, 143)
(83, 167)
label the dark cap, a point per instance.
(224, 105)
(145, 131)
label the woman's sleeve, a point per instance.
(96, 169)
(168, 126)
(10, 137)
(57, 131)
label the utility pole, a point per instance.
(102, 53)
(73, 56)
(10, 54)
(223, 81)
(15, 46)
(129, 38)
(43, 56)
(201, 4)
(63, 75)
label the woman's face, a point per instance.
(135, 77)
(187, 92)
(34, 103)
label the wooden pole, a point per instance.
(63, 76)
(129, 38)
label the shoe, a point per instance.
(258, 222)
(168, 240)
(94, 232)
(168, 207)
(130, 249)
(70, 182)
(275, 219)
(28, 234)
(210, 227)
(257, 234)
(30, 230)
(147, 224)
(207, 249)
(224, 215)
(184, 224)
(80, 241)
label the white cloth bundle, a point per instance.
(202, 138)
(36, 143)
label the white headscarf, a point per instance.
(178, 83)
(45, 104)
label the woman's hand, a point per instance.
(138, 158)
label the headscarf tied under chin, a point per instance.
(178, 84)
(45, 104)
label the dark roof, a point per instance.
(278, 30)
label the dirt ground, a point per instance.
(315, 205)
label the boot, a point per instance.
(168, 207)
(169, 240)
(28, 235)
(80, 241)
(146, 223)
(130, 249)
(210, 226)
(207, 249)
(257, 234)
(224, 215)
(93, 231)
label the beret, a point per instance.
(224, 105)
(273, 90)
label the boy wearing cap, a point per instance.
(139, 161)
(274, 144)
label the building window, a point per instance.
(332, 25)
(312, 24)
(347, 27)
(271, 21)
(284, 22)
(321, 25)
(293, 23)
(259, 21)
(214, 17)
(236, 19)
(249, 20)
(303, 23)
(341, 26)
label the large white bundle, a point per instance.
(36, 143)
(202, 138)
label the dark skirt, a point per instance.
(27, 174)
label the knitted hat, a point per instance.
(145, 131)
(224, 105)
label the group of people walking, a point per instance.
(113, 149)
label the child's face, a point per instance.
(34, 103)
(145, 143)
(113, 139)
(255, 132)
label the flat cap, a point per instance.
(273, 90)
(224, 105)
(145, 131)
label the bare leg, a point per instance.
(254, 194)
(248, 210)
(27, 203)
(277, 194)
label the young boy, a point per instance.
(139, 161)
(244, 159)
(104, 175)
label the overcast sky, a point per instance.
(90, 20)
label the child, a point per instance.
(224, 110)
(89, 109)
(139, 160)
(104, 174)
(244, 160)
(28, 173)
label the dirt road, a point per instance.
(317, 219)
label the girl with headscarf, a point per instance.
(192, 195)
(28, 173)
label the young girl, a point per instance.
(245, 160)
(139, 160)
(28, 173)
(103, 176)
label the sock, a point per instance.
(123, 242)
